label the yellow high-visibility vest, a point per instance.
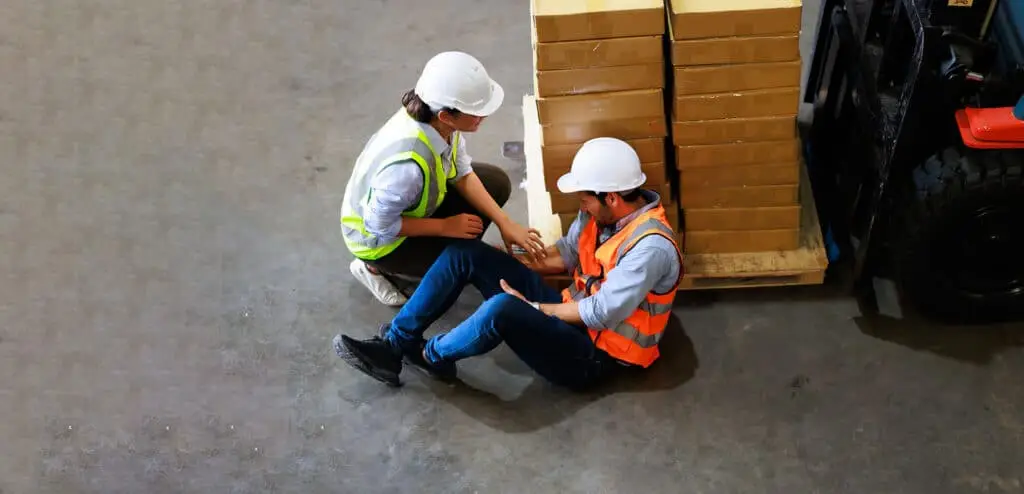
(401, 139)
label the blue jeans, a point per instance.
(560, 352)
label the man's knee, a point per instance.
(464, 252)
(495, 180)
(502, 309)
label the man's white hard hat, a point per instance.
(454, 79)
(603, 164)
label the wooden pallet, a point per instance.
(803, 266)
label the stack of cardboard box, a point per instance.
(736, 85)
(600, 72)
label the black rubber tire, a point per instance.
(957, 247)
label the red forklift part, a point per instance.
(990, 128)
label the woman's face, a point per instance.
(462, 122)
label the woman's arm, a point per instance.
(473, 190)
(395, 189)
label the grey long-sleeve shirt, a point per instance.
(398, 187)
(652, 264)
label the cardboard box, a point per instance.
(560, 156)
(692, 19)
(756, 103)
(657, 175)
(736, 77)
(734, 129)
(624, 128)
(601, 106)
(569, 20)
(719, 51)
(767, 218)
(738, 153)
(740, 197)
(548, 83)
(712, 177)
(587, 54)
(570, 203)
(721, 242)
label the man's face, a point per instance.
(591, 205)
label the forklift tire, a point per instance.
(958, 247)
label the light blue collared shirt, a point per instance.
(652, 264)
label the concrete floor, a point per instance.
(173, 274)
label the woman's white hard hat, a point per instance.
(454, 79)
(603, 164)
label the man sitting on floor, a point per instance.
(625, 265)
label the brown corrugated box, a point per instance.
(736, 77)
(601, 106)
(737, 153)
(755, 103)
(766, 218)
(721, 242)
(739, 197)
(710, 177)
(727, 130)
(718, 51)
(598, 80)
(568, 20)
(598, 53)
(560, 155)
(622, 128)
(657, 174)
(570, 203)
(690, 19)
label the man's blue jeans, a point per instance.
(560, 352)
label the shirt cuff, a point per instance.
(588, 308)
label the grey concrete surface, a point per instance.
(173, 274)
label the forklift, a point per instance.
(916, 151)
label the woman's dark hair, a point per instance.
(629, 196)
(419, 110)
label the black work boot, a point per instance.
(374, 357)
(414, 355)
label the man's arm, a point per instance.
(652, 264)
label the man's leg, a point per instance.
(463, 262)
(558, 351)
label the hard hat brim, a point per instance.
(488, 108)
(568, 184)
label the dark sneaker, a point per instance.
(414, 356)
(374, 357)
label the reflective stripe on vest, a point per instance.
(401, 139)
(636, 339)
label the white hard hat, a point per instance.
(454, 79)
(604, 164)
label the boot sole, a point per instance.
(352, 358)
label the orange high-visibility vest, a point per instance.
(635, 340)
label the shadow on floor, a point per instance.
(973, 344)
(541, 404)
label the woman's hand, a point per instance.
(463, 226)
(527, 239)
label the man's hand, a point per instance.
(512, 291)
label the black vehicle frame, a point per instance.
(896, 186)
